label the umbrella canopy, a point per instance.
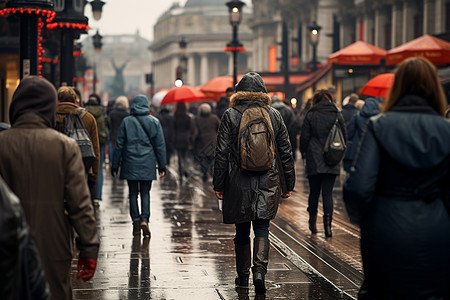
(358, 53)
(378, 86)
(434, 49)
(184, 93)
(157, 98)
(216, 87)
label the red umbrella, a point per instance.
(378, 86)
(216, 87)
(184, 93)
(358, 53)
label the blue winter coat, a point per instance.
(134, 153)
(397, 191)
(356, 127)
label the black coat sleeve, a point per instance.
(360, 185)
(222, 153)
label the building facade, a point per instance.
(204, 26)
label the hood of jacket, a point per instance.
(370, 108)
(247, 97)
(95, 109)
(34, 94)
(140, 106)
(413, 134)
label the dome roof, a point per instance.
(200, 3)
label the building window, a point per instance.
(387, 35)
(418, 25)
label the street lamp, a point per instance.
(234, 8)
(314, 31)
(182, 68)
(97, 6)
(71, 22)
(97, 41)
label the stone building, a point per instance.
(204, 25)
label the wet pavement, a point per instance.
(190, 254)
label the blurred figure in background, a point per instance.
(185, 132)
(95, 107)
(399, 192)
(349, 109)
(356, 128)
(166, 120)
(224, 102)
(205, 142)
(290, 120)
(118, 112)
(50, 184)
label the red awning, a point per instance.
(358, 53)
(434, 49)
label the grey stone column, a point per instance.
(408, 22)
(397, 21)
(204, 71)
(439, 16)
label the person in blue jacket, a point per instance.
(356, 128)
(140, 146)
(399, 192)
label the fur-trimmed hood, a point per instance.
(240, 97)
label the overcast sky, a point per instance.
(127, 16)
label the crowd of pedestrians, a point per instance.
(396, 163)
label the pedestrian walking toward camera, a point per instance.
(399, 192)
(44, 168)
(205, 142)
(167, 124)
(250, 185)
(321, 175)
(139, 148)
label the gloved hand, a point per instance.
(114, 172)
(86, 268)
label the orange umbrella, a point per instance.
(434, 49)
(184, 93)
(378, 86)
(358, 53)
(216, 87)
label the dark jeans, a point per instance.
(141, 187)
(182, 162)
(100, 172)
(260, 228)
(316, 183)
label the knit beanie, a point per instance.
(34, 94)
(251, 82)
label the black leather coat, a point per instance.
(250, 195)
(397, 191)
(21, 273)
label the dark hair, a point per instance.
(417, 76)
(95, 97)
(180, 109)
(230, 89)
(322, 95)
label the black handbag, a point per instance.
(334, 149)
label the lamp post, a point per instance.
(234, 8)
(314, 31)
(182, 68)
(71, 22)
(97, 41)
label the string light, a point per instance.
(48, 14)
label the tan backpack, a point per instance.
(256, 139)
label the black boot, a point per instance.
(243, 263)
(312, 223)
(327, 224)
(260, 261)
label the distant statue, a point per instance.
(119, 82)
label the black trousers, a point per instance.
(324, 182)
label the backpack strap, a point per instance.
(146, 132)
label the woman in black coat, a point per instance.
(399, 188)
(316, 126)
(250, 198)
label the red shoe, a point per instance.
(145, 228)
